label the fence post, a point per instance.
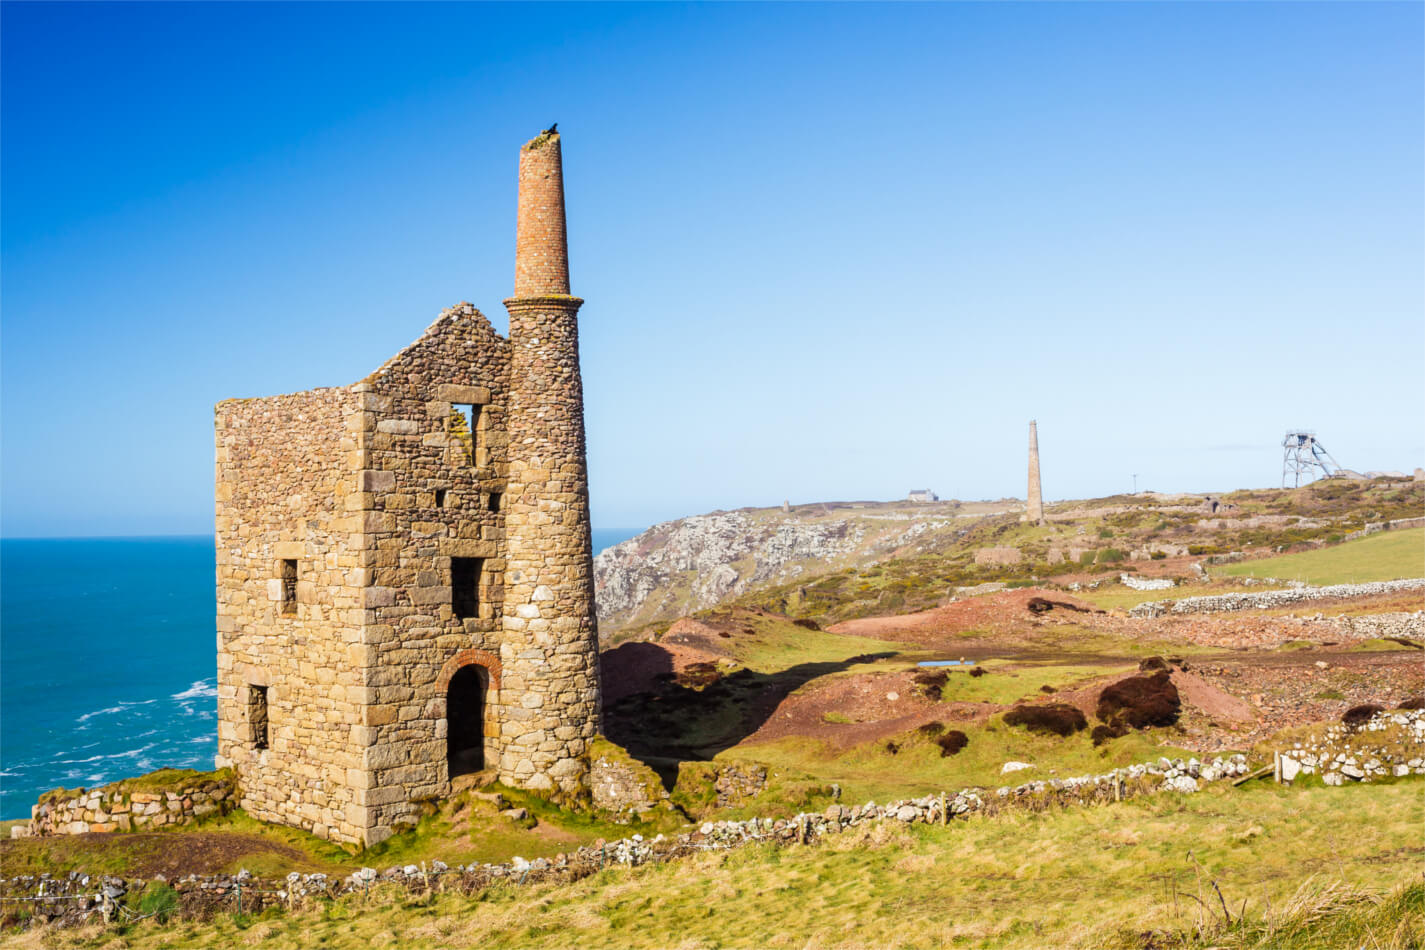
(944, 811)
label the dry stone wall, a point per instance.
(1268, 599)
(117, 808)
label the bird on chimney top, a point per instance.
(551, 129)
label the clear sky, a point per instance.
(829, 251)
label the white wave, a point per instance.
(127, 753)
(114, 709)
(203, 689)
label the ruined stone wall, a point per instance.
(117, 807)
(431, 491)
(287, 489)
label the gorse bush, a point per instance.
(1141, 701)
(1060, 719)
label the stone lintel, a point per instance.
(466, 547)
(450, 392)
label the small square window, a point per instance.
(495, 499)
(465, 585)
(257, 715)
(287, 570)
(440, 497)
(463, 427)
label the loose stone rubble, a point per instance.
(1391, 744)
(1267, 599)
(1133, 582)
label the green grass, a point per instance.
(777, 644)
(869, 771)
(1005, 682)
(1386, 556)
(1084, 877)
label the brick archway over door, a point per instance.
(472, 657)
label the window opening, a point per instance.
(465, 585)
(257, 715)
(464, 423)
(495, 499)
(440, 497)
(287, 570)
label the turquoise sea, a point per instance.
(107, 658)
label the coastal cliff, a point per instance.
(691, 564)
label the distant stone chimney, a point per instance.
(541, 244)
(1035, 510)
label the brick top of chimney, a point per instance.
(541, 245)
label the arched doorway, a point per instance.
(465, 700)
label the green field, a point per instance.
(1144, 873)
(1386, 556)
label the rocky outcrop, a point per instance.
(680, 567)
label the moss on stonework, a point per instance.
(541, 140)
(601, 748)
(170, 780)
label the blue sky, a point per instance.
(829, 251)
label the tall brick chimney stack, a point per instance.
(1035, 510)
(541, 245)
(550, 643)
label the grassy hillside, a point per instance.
(1104, 530)
(1379, 557)
(1293, 871)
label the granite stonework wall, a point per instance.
(116, 808)
(399, 552)
(433, 492)
(287, 490)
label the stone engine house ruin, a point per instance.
(404, 565)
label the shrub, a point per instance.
(892, 748)
(978, 671)
(1414, 702)
(930, 728)
(1058, 718)
(1046, 688)
(1105, 533)
(952, 742)
(1157, 555)
(807, 622)
(1148, 664)
(1102, 734)
(931, 683)
(1141, 701)
(1086, 558)
(160, 900)
(1360, 715)
(1110, 556)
